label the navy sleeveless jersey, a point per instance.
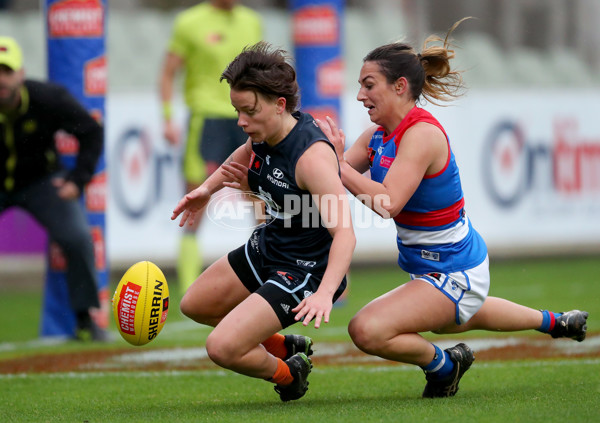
(294, 232)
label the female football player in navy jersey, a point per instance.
(293, 267)
(414, 179)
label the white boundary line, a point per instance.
(332, 369)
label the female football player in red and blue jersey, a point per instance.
(414, 179)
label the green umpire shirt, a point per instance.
(208, 39)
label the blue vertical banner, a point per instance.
(317, 38)
(76, 34)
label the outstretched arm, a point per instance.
(194, 202)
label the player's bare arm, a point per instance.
(172, 64)
(317, 172)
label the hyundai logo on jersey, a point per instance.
(278, 174)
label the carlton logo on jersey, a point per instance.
(256, 163)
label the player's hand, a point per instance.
(191, 205)
(335, 135)
(67, 190)
(237, 174)
(171, 133)
(317, 306)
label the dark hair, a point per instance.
(264, 70)
(428, 73)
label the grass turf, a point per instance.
(519, 391)
(527, 391)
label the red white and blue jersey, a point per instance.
(434, 233)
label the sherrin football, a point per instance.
(141, 303)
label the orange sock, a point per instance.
(275, 345)
(282, 375)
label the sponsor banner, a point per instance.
(75, 32)
(530, 166)
(535, 191)
(75, 19)
(317, 38)
(316, 23)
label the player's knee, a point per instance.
(185, 306)
(221, 350)
(364, 334)
(188, 307)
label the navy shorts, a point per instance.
(219, 138)
(283, 285)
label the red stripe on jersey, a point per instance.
(433, 218)
(445, 166)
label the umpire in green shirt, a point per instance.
(205, 39)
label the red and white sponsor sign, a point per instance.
(95, 76)
(330, 78)
(76, 18)
(128, 298)
(322, 112)
(316, 25)
(95, 193)
(66, 144)
(97, 115)
(576, 159)
(58, 261)
(99, 247)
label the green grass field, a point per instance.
(525, 390)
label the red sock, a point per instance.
(282, 375)
(275, 345)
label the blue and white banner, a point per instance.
(76, 33)
(317, 37)
(530, 169)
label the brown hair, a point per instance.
(428, 73)
(264, 70)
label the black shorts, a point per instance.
(283, 285)
(219, 138)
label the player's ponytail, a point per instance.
(441, 82)
(428, 73)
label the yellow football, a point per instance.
(141, 303)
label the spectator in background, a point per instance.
(206, 38)
(31, 176)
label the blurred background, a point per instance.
(512, 43)
(525, 133)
